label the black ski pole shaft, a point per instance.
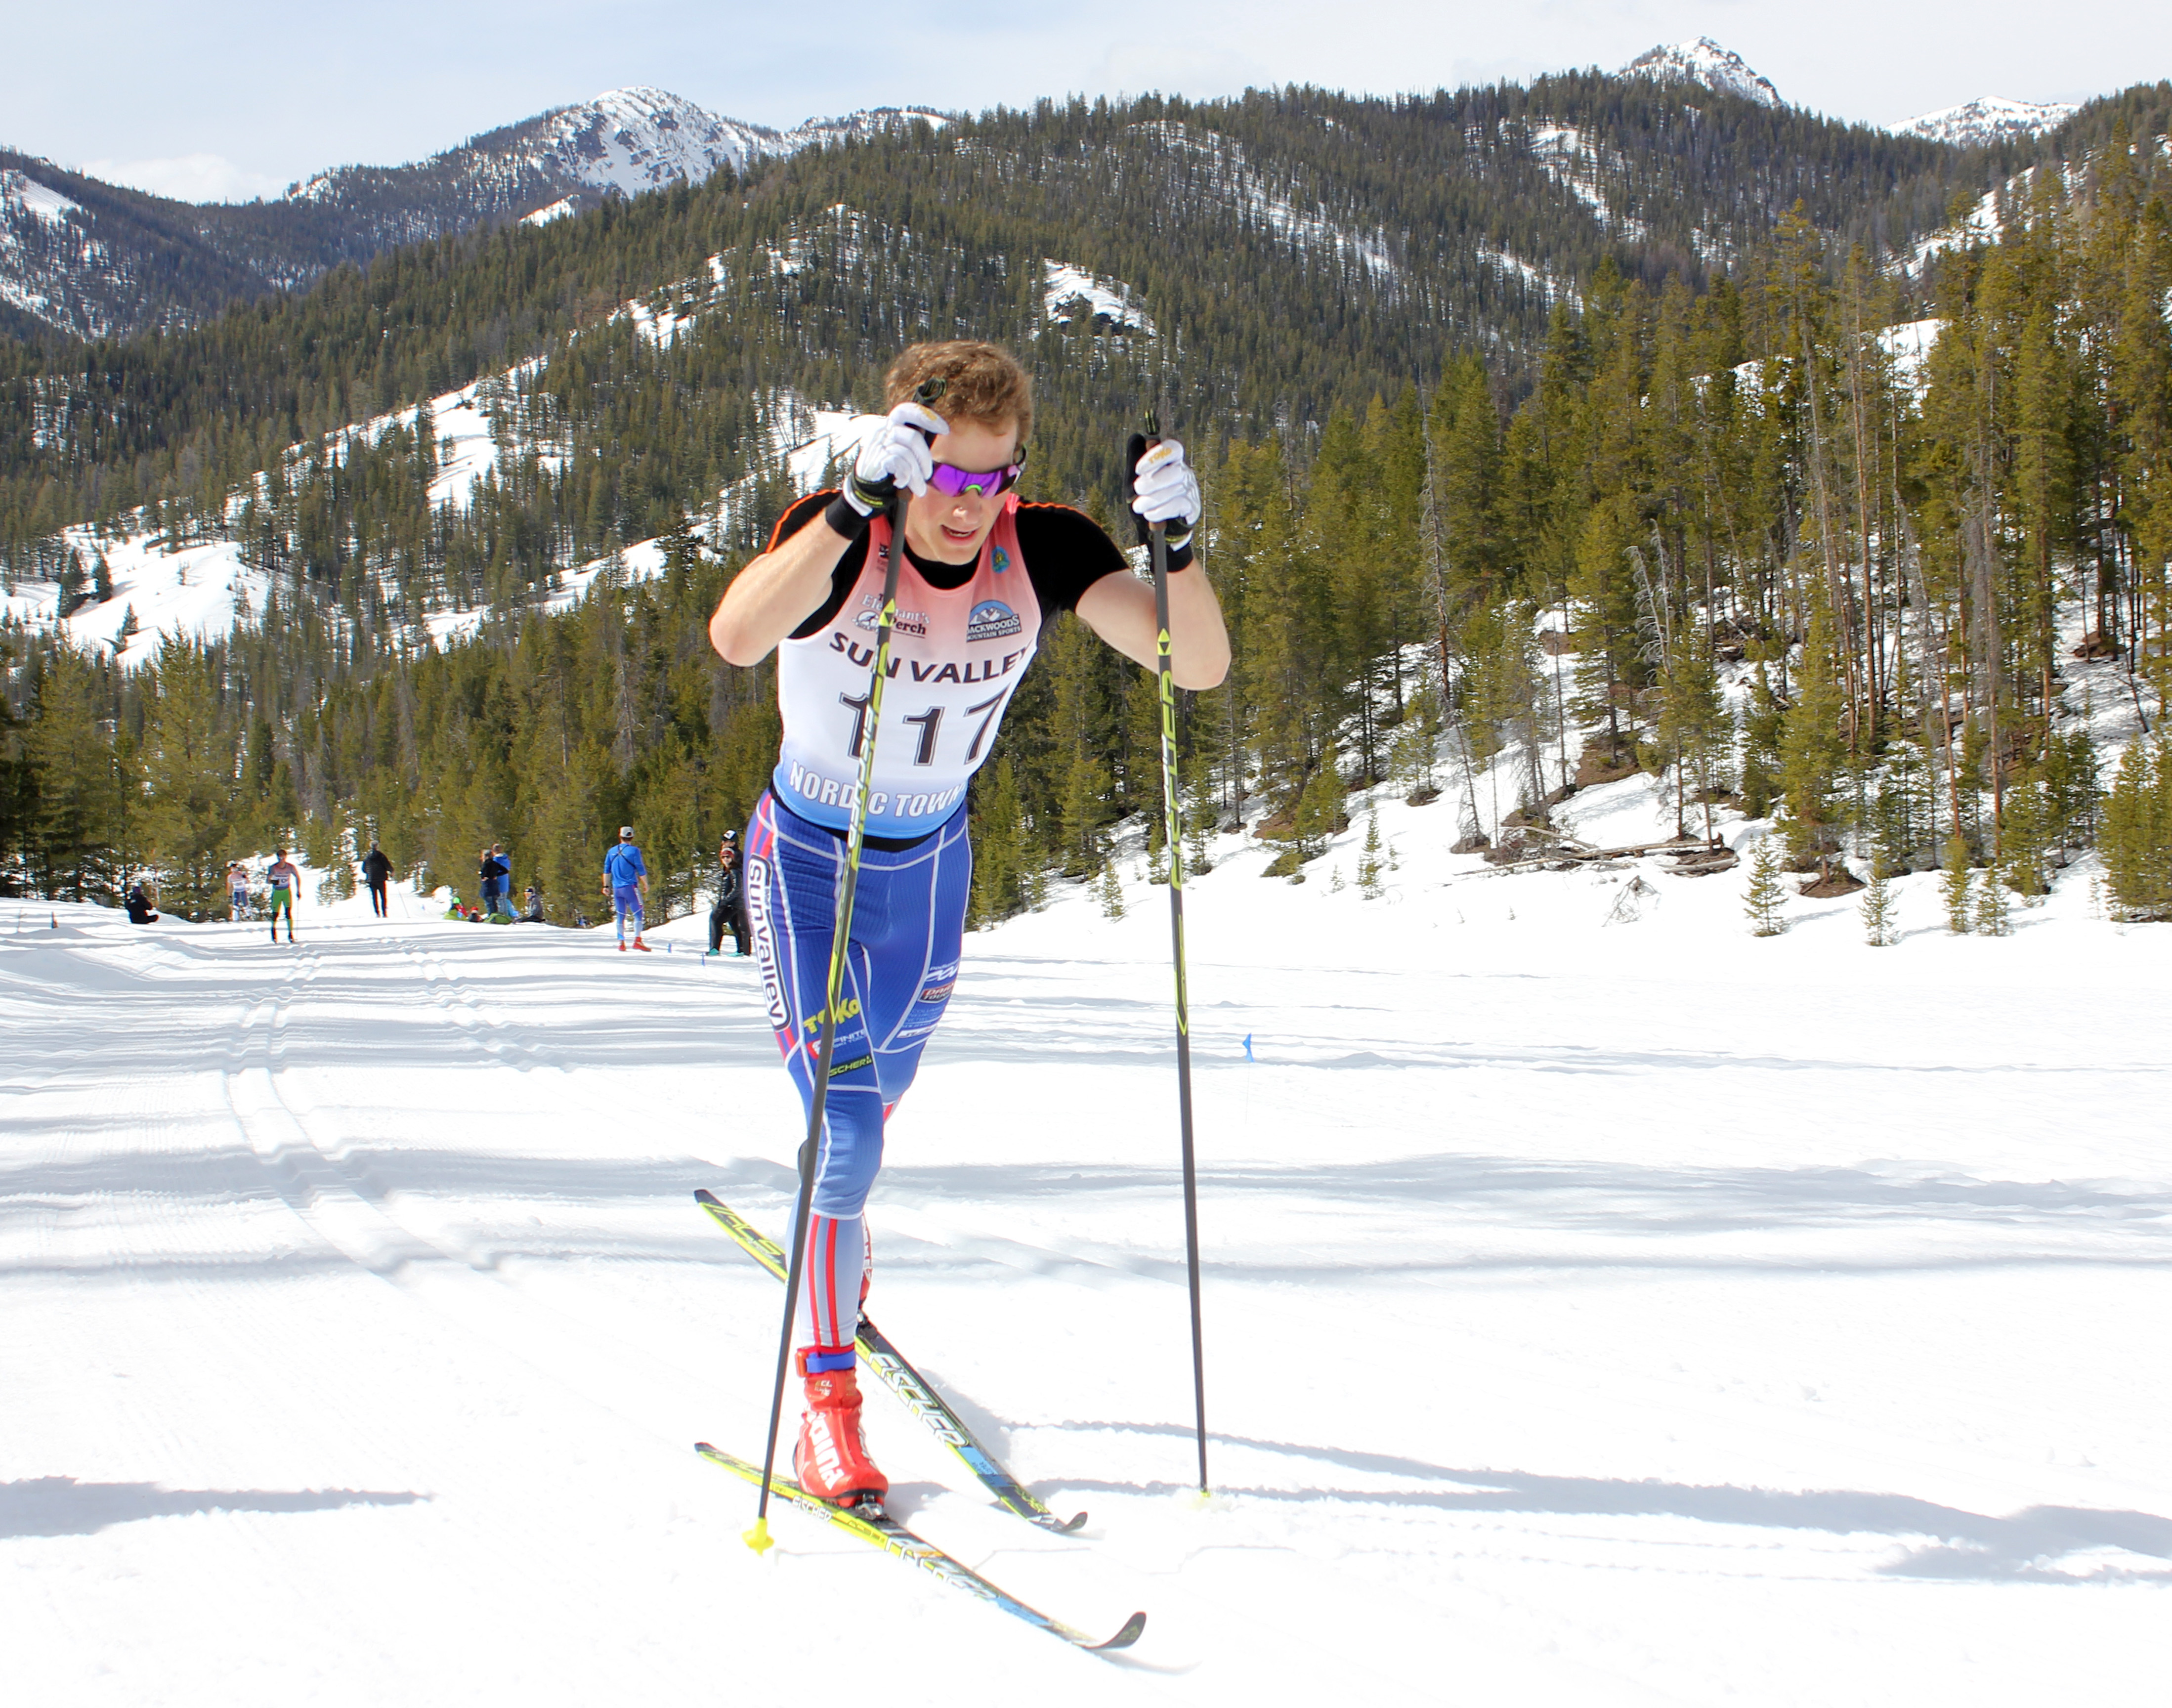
(840, 936)
(1172, 834)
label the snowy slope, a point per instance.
(635, 139)
(51, 267)
(1987, 119)
(1705, 62)
(1630, 1314)
(624, 141)
(203, 589)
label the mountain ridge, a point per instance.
(85, 259)
(1987, 119)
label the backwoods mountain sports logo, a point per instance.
(991, 619)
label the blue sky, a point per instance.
(241, 99)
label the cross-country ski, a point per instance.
(870, 1522)
(913, 1390)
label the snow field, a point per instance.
(1638, 1313)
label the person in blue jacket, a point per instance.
(626, 880)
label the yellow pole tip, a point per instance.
(758, 1538)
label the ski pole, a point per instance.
(1172, 833)
(840, 936)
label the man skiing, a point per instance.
(376, 872)
(237, 890)
(283, 878)
(626, 881)
(980, 576)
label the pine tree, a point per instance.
(188, 766)
(1320, 808)
(1112, 892)
(1199, 828)
(1955, 885)
(80, 840)
(2138, 833)
(1763, 720)
(1814, 754)
(1766, 896)
(2025, 839)
(1994, 915)
(1369, 862)
(1879, 927)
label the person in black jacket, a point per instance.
(376, 872)
(139, 907)
(490, 871)
(729, 908)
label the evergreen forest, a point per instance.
(1743, 484)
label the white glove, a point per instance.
(1166, 490)
(896, 453)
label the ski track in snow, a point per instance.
(1641, 1314)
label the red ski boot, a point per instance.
(831, 1460)
(642, 947)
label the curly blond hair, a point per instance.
(982, 383)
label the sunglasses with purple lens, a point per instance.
(984, 483)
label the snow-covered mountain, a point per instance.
(1705, 62)
(1987, 119)
(628, 141)
(91, 260)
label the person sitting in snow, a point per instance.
(139, 907)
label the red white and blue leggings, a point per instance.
(908, 923)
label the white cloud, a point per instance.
(187, 178)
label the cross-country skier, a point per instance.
(376, 872)
(237, 890)
(982, 575)
(626, 880)
(282, 879)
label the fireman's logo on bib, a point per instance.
(1002, 560)
(991, 620)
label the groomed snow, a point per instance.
(1596, 1314)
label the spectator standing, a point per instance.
(626, 880)
(729, 908)
(490, 875)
